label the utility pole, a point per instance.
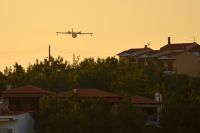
(49, 53)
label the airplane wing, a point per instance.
(85, 33)
(64, 32)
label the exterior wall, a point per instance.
(23, 123)
(23, 104)
(168, 65)
(152, 112)
(123, 59)
(187, 63)
(196, 53)
(128, 59)
(136, 60)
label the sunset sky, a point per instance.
(27, 27)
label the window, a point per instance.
(170, 66)
(5, 130)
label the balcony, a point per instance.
(170, 70)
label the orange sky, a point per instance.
(27, 27)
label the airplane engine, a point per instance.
(74, 35)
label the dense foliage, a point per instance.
(108, 74)
(73, 116)
(181, 94)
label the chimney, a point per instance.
(145, 46)
(74, 91)
(169, 40)
(158, 97)
(8, 87)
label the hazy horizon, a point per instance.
(28, 27)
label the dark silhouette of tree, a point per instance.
(74, 116)
(180, 106)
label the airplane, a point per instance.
(74, 34)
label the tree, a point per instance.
(73, 115)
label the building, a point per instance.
(93, 93)
(16, 107)
(195, 50)
(18, 103)
(181, 63)
(132, 55)
(16, 122)
(149, 106)
(25, 98)
(173, 58)
(178, 47)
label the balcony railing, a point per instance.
(172, 70)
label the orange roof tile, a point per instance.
(154, 52)
(13, 113)
(135, 50)
(26, 91)
(90, 92)
(143, 100)
(177, 46)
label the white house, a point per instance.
(16, 122)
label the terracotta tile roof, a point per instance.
(135, 50)
(90, 92)
(13, 113)
(26, 91)
(177, 46)
(154, 52)
(110, 97)
(143, 100)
